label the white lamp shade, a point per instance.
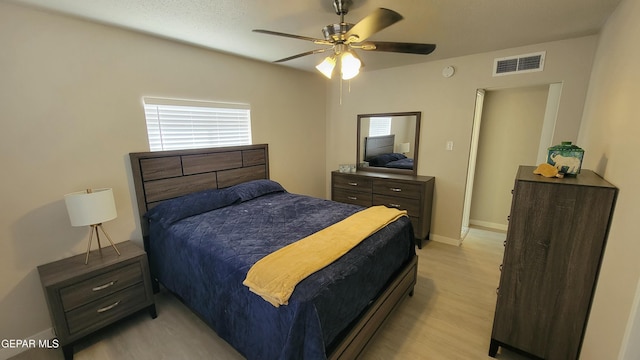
(350, 66)
(326, 66)
(90, 208)
(403, 148)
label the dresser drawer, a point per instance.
(101, 312)
(350, 196)
(396, 188)
(352, 182)
(99, 286)
(411, 193)
(411, 205)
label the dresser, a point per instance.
(406, 192)
(85, 298)
(555, 241)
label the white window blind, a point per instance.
(183, 124)
(379, 126)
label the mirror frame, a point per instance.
(414, 171)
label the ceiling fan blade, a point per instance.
(399, 47)
(317, 51)
(299, 37)
(374, 22)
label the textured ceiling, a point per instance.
(458, 27)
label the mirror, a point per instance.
(389, 142)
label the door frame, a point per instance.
(546, 139)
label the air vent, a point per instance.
(518, 64)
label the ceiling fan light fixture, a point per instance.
(326, 66)
(343, 38)
(349, 66)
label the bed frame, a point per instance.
(378, 145)
(163, 175)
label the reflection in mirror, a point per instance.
(388, 142)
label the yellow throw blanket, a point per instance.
(276, 275)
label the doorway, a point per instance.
(511, 127)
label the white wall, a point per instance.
(71, 111)
(447, 106)
(610, 135)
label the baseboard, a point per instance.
(445, 240)
(490, 225)
(463, 233)
(7, 352)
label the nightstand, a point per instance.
(85, 298)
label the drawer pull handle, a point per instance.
(353, 183)
(500, 267)
(395, 205)
(352, 198)
(102, 287)
(395, 189)
(107, 308)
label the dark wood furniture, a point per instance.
(378, 145)
(555, 241)
(163, 175)
(85, 298)
(407, 192)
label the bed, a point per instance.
(379, 152)
(212, 213)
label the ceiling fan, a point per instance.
(343, 38)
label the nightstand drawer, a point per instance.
(103, 311)
(411, 205)
(352, 182)
(396, 188)
(352, 197)
(102, 285)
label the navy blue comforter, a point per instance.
(406, 163)
(202, 250)
(391, 160)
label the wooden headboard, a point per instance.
(378, 145)
(163, 175)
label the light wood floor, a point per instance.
(449, 317)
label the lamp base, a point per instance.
(94, 228)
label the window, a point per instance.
(183, 124)
(379, 126)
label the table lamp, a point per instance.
(92, 207)
(403, 148)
